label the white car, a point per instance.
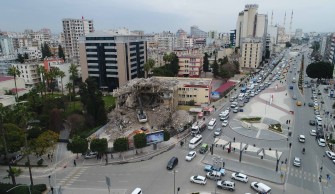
(321, 142)
(302, 138)
(240, 177)
(91, 155)
(297, 162)
(313, 132)
(224, 123)
(260, 187)
(198, 179)
(331, 155)
(190, 155)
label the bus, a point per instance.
(198, 127)
(195, 141)
(212, 123)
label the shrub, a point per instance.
(275, 127)
(40, 187)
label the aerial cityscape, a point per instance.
(167, 97)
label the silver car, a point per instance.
(297, 162)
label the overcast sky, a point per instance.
(163, 15)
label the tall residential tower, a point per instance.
(73, 29)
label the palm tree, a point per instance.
(73, 76)
(13, 71)
(148, 66)
(69, 87)
(41, 71)
(61, 74)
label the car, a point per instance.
(224, 113)
(294, 97)
(312, 132)
(190, 155)
(310, 104)
(223, 118)
(16, 158)
(224, 123)
(90, 155)
(317, 112)
(297, 162)
(321, 142)
(172, 163)
(217, 131)
(312, 122)
(252, 94)
(209, 168)
(240, 177)
(318, 118)
(235, 110)
(298, 103)
(198, 179)
(302, 138)
(260, 187)
(331, 155)
(227, 185)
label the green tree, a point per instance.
(61, 75)
(13, 71)
(288, 44)
(237, 67)
(166, 135)
(140, 140)
(26, 56)
(215, 67)
(320, 70)
(42, 72)
(20, 58)
(206, 63)
(148, 66)
(61, 52)
(120, 144)
(14, 171)
(99, 145)
(43, 142)
(46, 51)
(91, 97)
(73, 76)
(14, 136)
(78, 145)
(174, 64)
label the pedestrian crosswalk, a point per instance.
(72, 176)
(298, 173)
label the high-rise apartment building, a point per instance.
(112, 58)
(251, 33)
(73, 29)
(6, 46)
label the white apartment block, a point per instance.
(251, 53)
(29, 73)
(33, 52)
(73, 29)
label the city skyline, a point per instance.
(138, 14)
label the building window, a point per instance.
(206, 96)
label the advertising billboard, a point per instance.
(154, 137)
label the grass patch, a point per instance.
(251, 119)
(87, 132)
(276, 127)
(73, 107)
(109, 101)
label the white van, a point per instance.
(260, 187)
(137, 191)
(214, 175)
(302, 138)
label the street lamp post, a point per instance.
(174, 181)
(19, 186)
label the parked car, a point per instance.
(227, 185)
(310, 104)
(198, 179)
(294, 97)
(209, 168)
(312, 122)
(190, 155)
(17, 158)
(214, 175)
(299, 103)
(321, 142)
(260, 187)
(331, 155)
(240, 177)
(312, 132)
(90, 155)
(235, 110)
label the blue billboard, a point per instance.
(154, 137)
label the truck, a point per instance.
(198, 127)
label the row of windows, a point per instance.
(187, 89)
(186, 96)
(97, 72)
(99, 38)
(95, 50)
(100, 44)
(135, 43)
(96, 67)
